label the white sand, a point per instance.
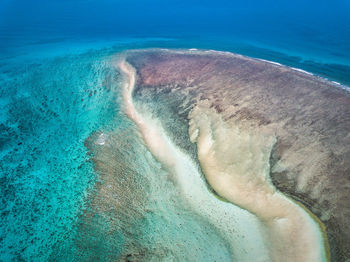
(235, 161)
(240, 229)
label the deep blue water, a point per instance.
(314, 35)
(57, 87)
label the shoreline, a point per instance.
(233, 54)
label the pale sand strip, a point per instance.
(238, 171)
(245, 243)
(235, 162)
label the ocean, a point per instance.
(58, 88)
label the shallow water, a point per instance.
(235, 161)
(59, 91)
(48, 108)
(244, 243)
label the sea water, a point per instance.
(77, 181)
(48, 109)
(58, 89)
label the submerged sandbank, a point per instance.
(237, 171)
(309, 117)
(235, 162)
(246, 243)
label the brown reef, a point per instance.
(310, 117)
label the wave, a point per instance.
(302, 71)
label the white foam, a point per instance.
(101, 140)
(344, 87)
(302, 71)
(270, 62)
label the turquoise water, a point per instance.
(54, 96)
(48, 109)
(58, 89)
(55, 100)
